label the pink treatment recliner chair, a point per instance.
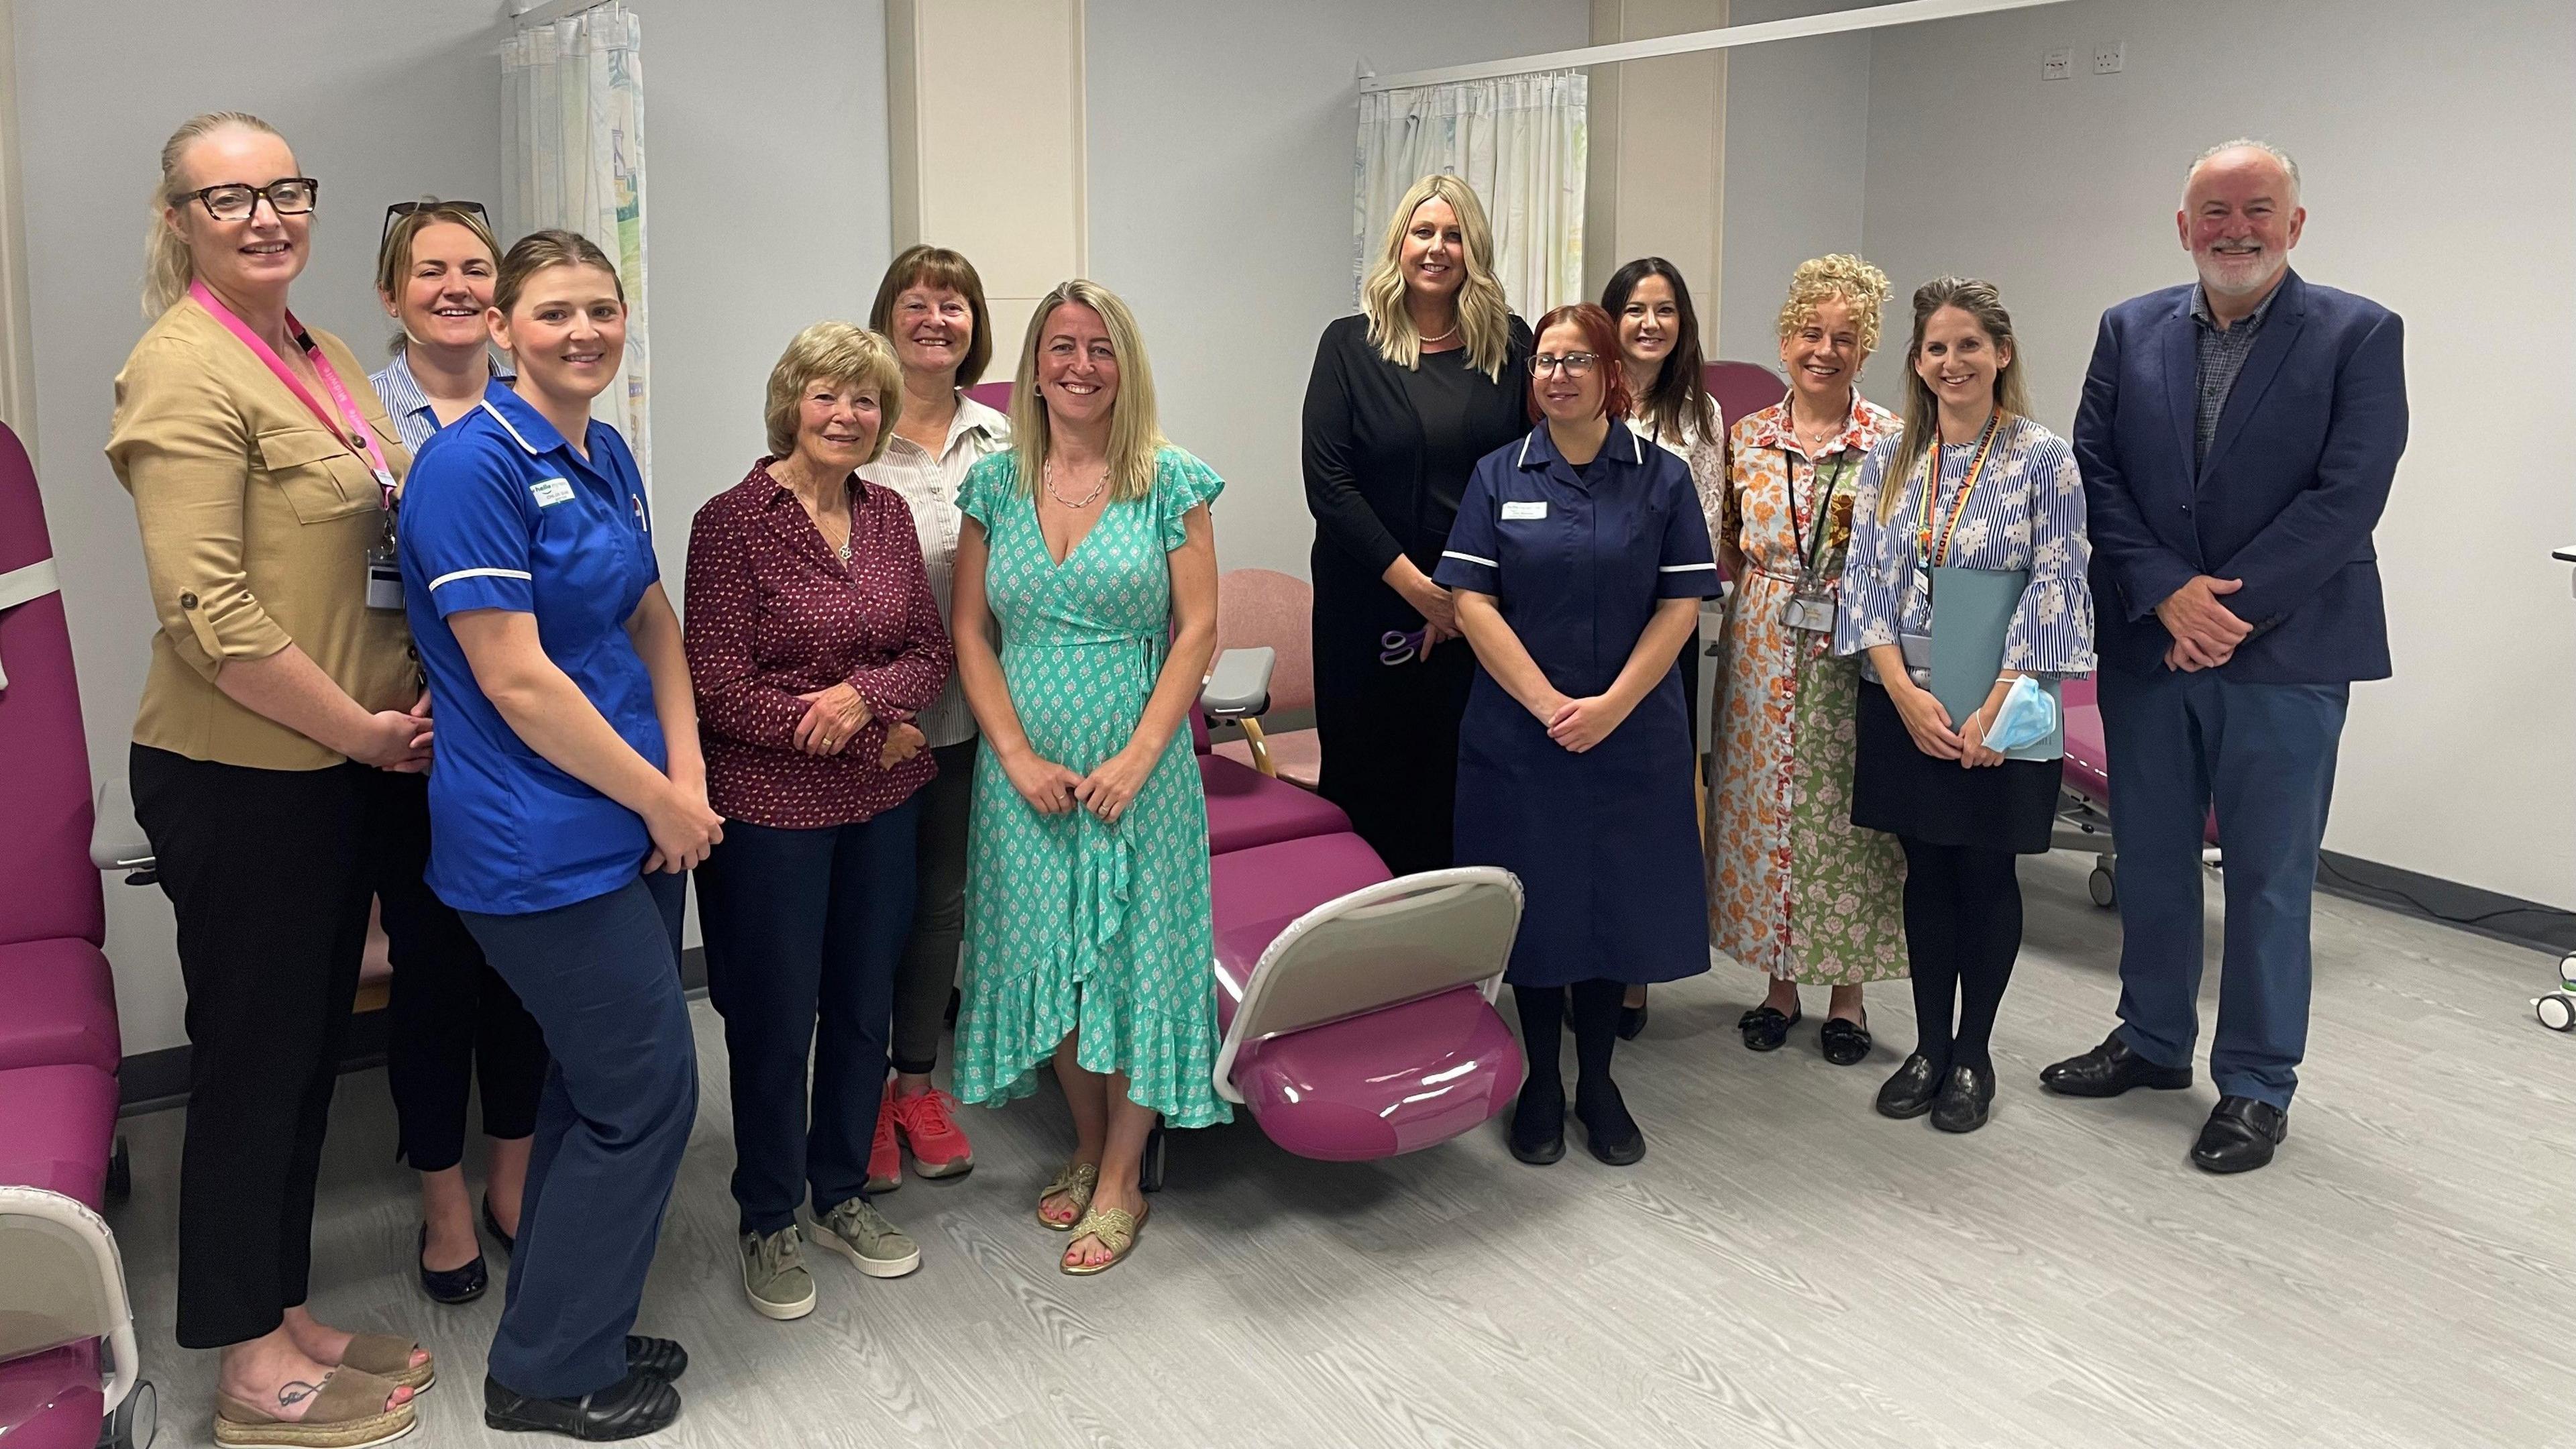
(63, 1312)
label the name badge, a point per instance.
(551, 491)
(1524, 510)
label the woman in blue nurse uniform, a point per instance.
(567, 802)
(1578, 560)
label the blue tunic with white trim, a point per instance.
(1606, 843)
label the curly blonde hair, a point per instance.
(1842, 278)
(844, 356)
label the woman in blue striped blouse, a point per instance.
(1972, 482)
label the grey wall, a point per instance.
(2439, 146)
(1797, 143)
(766, 155)
(1222, 138)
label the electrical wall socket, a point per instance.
(2110, 57)
(2058, 64)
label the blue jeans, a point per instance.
(2264, 754)
(801, 926)
(602, 977)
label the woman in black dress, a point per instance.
(1429, 377)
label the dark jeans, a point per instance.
(268, 874)
(452, 1020)
(2264, 755)
(929, 969)
(801, 925)
(603, 977)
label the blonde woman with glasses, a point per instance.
(1406, 396)
(1089, 554)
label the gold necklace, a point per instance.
(1087, 499)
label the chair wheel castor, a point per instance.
(1149, 1172)
(2103, 887)
(120, 1173)
(136, 1422)
(2557, 1011)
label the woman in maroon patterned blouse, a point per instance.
(813, 640)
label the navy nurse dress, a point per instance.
(1605, 842)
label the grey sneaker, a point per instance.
(774, 1275)
(858, 1232)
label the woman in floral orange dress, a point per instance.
(1795, 891)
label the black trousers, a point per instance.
(452, 1019)
(1388, 732)
(929, 969)
(804, 928)
(269, 876)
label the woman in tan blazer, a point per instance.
(276, 758)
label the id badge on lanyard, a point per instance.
(383, 572)
(1811, 608)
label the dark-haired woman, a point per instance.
(1972, 483)
(1579, 559)
(1659, 359)
(569, 801)
(930, 305)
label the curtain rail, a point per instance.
(1905, 12)
(547, 12)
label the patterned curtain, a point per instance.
(573, 141)
(1518, 140)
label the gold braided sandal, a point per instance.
(1116, 1229)
(349, 1413)
(1078, 1181)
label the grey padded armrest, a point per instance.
(1239, 685)
(115, 841)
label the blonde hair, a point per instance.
(1842, 278)
(1135, 434)
(1484, 313)
(393, 257)
(539, 250)
(1982, 302)
(840, 354)
(167, 266)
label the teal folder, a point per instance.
(1971, 610)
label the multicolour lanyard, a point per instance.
(1930, 556)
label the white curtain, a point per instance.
(1518, 140)
(573, 143)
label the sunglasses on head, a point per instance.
(401, 209)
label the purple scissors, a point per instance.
(1400, 646)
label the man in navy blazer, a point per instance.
(2238, 437)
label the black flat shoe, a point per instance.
(1537, 1133)
(1765, 1028)
(456, 1285)
(1608, 1130)
(492, 1225)
(2239, 1135)
(1632, 1021)
(1966, 1094)
(663, 1358)
(1845, 1041)
(2110, 1069)
(635, 1405)
(1911, 1091)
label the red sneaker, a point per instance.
(885, 1159)
(939, 1149)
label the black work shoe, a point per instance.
(1844, 1041)
(1966, 1093)
(1911, 1092)
(1765, 1028)
(2239, 1135)
(1537, 1134)
(1608, 1130)
(637, 1404)
(492, 1224)
(456, 1285)
(2110, 1069)
(1632, 1021)
(663, 1358)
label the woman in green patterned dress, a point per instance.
(1087, 930)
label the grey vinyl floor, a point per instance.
(1783, 1268)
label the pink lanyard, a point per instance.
(361, 438)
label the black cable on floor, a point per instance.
(2477, 920)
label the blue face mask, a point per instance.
(2028, 715)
